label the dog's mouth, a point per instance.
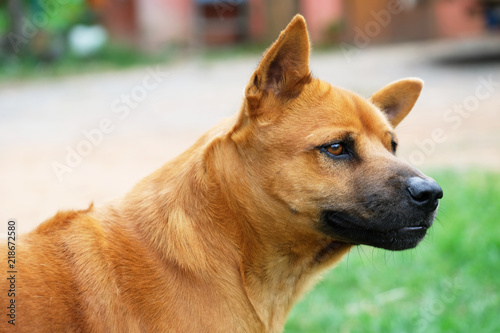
(390, 236)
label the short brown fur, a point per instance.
(227, 236)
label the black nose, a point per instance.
(425, 192)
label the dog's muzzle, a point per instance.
(396, 221)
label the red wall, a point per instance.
(320, 15)
(458, 18)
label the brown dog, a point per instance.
(227, 236)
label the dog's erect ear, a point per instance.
(284, 69)
(398, 98)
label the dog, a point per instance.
(227, 236)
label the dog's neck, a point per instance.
(279, 261)
(261, 251)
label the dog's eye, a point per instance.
(334, 150)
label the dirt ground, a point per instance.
(65, 142)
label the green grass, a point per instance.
(449, 283)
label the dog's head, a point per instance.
(329, 155)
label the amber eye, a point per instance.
(335, 149)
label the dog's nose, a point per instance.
(425, 192)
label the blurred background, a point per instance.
(96, 94)
(41, 33)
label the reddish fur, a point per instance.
(222, 238)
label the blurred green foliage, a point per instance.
(3, 21)
(46, 52)
(449, 283)
(65, 16)
(60, 17)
